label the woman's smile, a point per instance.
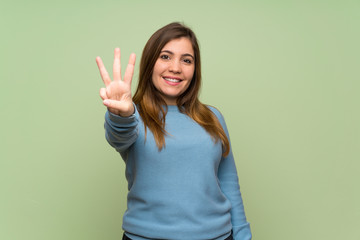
(172, 80)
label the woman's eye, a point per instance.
(164, 56)
(188, 61)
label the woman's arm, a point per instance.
(229, 184)
(121, 132)
(120, 119)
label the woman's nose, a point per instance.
(175, 66)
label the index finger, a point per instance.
(103, 73)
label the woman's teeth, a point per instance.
(172, 80)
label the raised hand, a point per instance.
(116, 95)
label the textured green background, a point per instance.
(285, 75)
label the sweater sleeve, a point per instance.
(121, 132)
(229, 184)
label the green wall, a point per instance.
(285, 75)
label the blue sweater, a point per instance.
(186, 191)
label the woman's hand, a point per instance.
(116, 95)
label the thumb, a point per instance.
(111, 103)
(124, 110)
(103, 94)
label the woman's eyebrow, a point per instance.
(184, 55)
(188, 55)
(167, 51)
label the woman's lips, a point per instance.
(173, 81)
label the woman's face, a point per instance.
(174, 69)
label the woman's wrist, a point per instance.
(130, 111)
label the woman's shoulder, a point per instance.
(216, 111)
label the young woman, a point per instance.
(180, 169)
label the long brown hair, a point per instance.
(149, 101)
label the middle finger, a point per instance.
(116, 66)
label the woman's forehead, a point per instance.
(179, 46)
